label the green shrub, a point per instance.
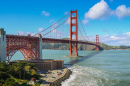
(9, 82)
(4, 75)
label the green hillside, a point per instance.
(64, 46)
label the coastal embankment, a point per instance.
(55, 77)
(66, 75)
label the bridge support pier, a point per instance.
(73, 31)
(40, 46)
(97, 42)
(2, 45)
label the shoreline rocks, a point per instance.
(59, 80)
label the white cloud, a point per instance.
(128, 33)
(100, 10)
(40, 29)
(54, 30)
(51, 20)
(85, 21)
(118, 39)
(66, 12)
(114, 38)
(45, 13)
(25, 33)
(32, 34)
(122, 11)
(68, 21)
(20, 33)
(28, 33)
(54, 24)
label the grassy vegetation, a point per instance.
(17, 73)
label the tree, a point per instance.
(9, 82)
(19, 68)
(3, 66)
(4, 75)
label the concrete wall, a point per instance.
(2, 45)
(40, 46)
(49, 65)
(45, 64)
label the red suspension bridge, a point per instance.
(31, 45)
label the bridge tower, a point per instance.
(2, 45)
(73, 31)
(97, 42)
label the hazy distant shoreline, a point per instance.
(89, 50)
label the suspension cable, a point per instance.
(83, 27)
(56, 27)
(82, 35)
(52, 24)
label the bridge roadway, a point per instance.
(48, 40)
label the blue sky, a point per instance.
(108, 18)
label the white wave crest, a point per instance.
(85, 76)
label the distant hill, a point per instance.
(109, 47)
(64, 46)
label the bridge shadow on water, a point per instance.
(79, 59)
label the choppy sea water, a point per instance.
(105, 68)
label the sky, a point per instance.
(110, 19)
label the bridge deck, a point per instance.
(50, 40)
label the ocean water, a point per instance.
(104, 68)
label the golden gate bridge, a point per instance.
(31, 45)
